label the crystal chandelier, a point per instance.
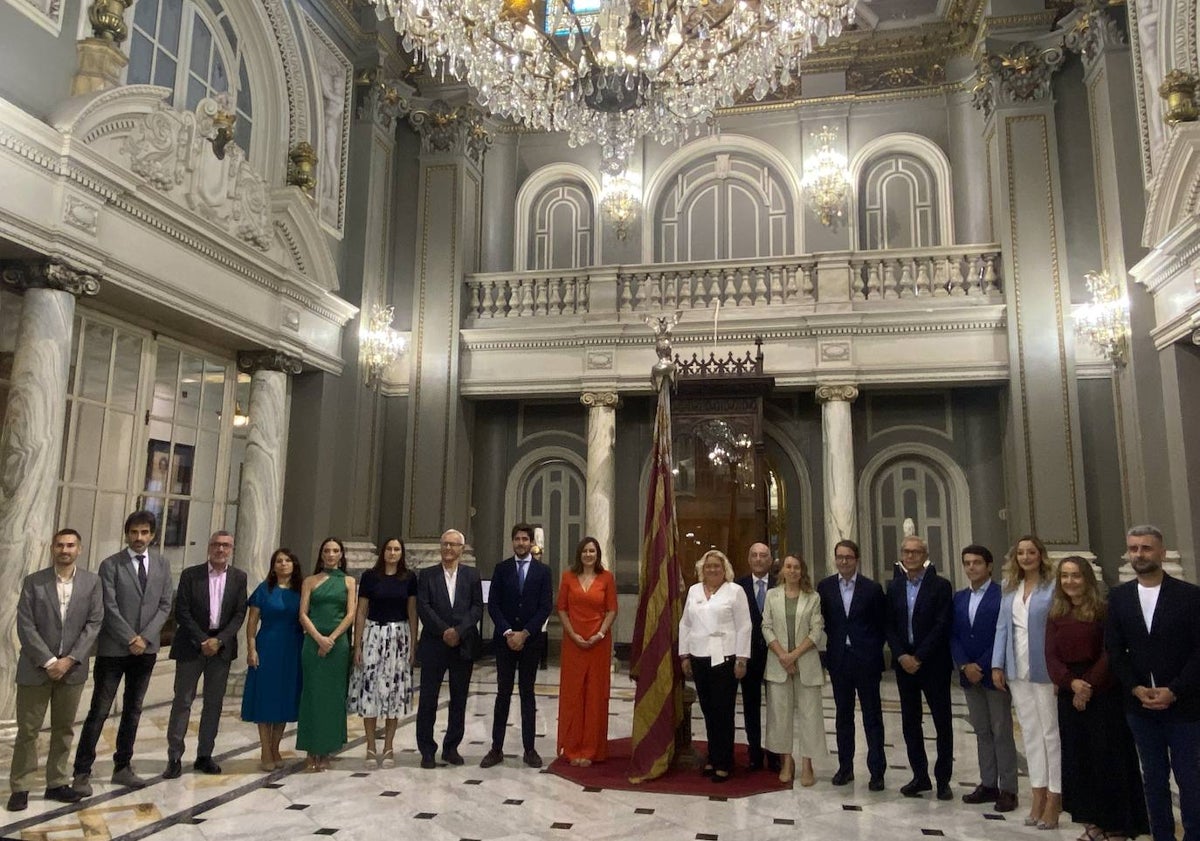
(1105, 321)
(612, 71)
(619, 201)
(826, 181)
(379, 345)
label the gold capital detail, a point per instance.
(845, 393)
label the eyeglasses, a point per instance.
(447, 545)
(845, 557)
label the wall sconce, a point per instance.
(826, 181)
(107, 18)
(1179, 90)
(1105, 320)
(304, 166)
(222, 132)
(620, 200)
(379, 344)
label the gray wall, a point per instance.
(1102, 475)
(36, 68)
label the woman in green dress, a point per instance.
(327, 602)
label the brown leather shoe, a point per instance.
(1006, 801)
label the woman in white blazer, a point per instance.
(794, 629)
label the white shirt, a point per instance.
(1020, 627)
(451, 581)
(974, 600)
(1148, 596)
(716, 627)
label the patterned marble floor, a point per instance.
(506, 803)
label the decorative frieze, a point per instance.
(50, 274)
(251, 361)
(897, 77)
(445, 129)
(1021, 74)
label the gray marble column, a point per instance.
(601, 467)
(31, 441)
(837, 436)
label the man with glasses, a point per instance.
(210, 606)
(450, 604)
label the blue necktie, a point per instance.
(521, 574)
(761, 595)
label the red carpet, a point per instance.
(614, 773)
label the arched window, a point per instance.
(560, 227)
(897, 204)
(190, 46)
(552, 495)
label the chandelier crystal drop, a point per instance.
(613, 71)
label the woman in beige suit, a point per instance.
(793, 627)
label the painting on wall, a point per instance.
(334, 89)
(45, 13)
(169, 473)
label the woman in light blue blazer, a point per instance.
(1019, 665)
(794, 629)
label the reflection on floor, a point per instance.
(509, 802)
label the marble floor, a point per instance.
(506, 803)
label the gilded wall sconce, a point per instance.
(222, 132)
(304, 166)
(1179, 90)
(107, 18)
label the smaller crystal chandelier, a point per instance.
(826, 180)
(1105, 321)
(379, 345)
(620, 201)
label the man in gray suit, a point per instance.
(210, 606)
(137, 600)
(450, 604)
(58, 620)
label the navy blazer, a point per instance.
(512, 608)
(932, 615)
(972, 643)
(433, 606)
(1169, 651)
(758, 645)
(864, 625)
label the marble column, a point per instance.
(31, 440)
(601, 467)
(837, 437)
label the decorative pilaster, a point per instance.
(837, 436)
(31, 438)
(601, 467)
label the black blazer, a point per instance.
(933, 617)
(864, 625)
(758, 644)
(433, 606)
(191, 613)
(512, 608)
(1169, 651)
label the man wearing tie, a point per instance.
(136, 584)
(756, 585)
(58, 619)
(519, 603)
(450, 604)
(855, 611)
(210, 606)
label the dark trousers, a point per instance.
(107, 674)
(716, 689)
(934, 684)
(752, 688)
(509, 665)
(846, 683)
(433, 671)
(1164, 746)
(215, 671)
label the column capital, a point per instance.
(50, 274)
(446, 129)
(595, 399)
(252, 361)
(1016, 74)
(845, 392)
(383, 100)
(1091, 31)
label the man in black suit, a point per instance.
(756, 585)
(920, 616)
(450, 604)
(519, 603)
(210, 606)
(1153, 642)
(855, 610)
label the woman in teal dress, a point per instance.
(327, 602)
(273, 639)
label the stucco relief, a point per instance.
(1151, 66)
(334, 88)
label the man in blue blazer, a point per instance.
(756, 585)
(920, 610)
(519, 603)
(989, 709)
(1153, 643)
(855, 610)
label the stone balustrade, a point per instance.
(969, 271)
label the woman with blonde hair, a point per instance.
(794, 629)
(1019, 665)
(714, 646)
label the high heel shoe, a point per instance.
(787, 770)
(372, 760)
(387, 760)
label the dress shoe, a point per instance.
(174, 770)
(427, 762)
(126, 777)
(721, 776)
(205, 765)
(82, 783)
(1006, 801)
(63, 794)
(876, 783)
(915, 787)
(18, 801)
(944, 792)
(774, 763)
(843, 777)
(981, 794)
(451, 756)
(492, 757)
(754, 765)
(532, 759)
